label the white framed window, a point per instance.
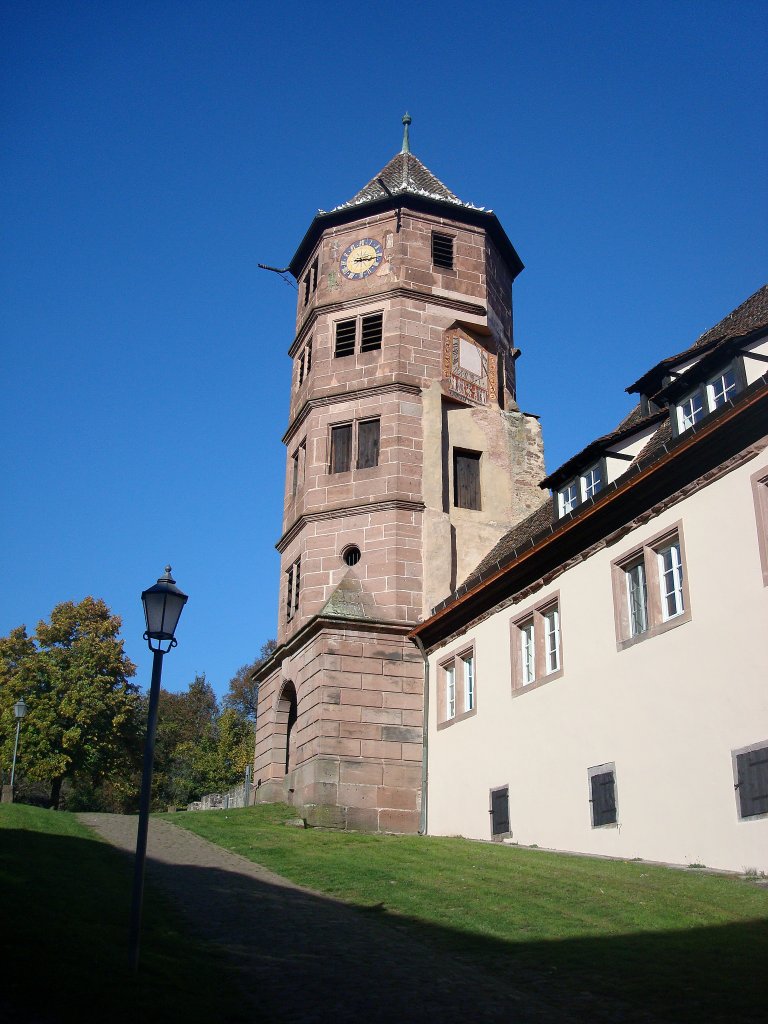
(536, 645)
(568, 498)
(637, 598)
(710, 395)
(551, 619)
(721, 388)
(689, 411)
(450, 690)
(671, 581)
(583, 487)
(528, 652)
(592, 480)
(468, 665)
(650, 588)
(456, 687)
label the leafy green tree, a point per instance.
(82, 720)
(243, 693)
(200, 748)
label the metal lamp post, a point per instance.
(163, 604)
(19, 711)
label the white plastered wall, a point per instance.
(668, 711)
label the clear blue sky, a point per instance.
(156, 152)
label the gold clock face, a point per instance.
(361, 258)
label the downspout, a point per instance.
(425, 740)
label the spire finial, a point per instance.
(406, 143)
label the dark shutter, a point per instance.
(289, 595)
(603, 799)
(341, 448)
(308, 357)
(500, 811)
(296, 583)
(752, 772)
(442, 251)
(370, 336)
(368, 433)
(295, 484)
(466, 479)
(345, 338)
(314, 274)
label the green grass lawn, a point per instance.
(682, 944)
(64, 903)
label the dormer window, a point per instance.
(581, 488)
(689, 411)
(592, 481)
(721, 388)
(707, 397)
(568, 498)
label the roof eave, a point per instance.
(400, 201)
(601, 444)
(707, 445)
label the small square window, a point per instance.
(602, 795)
(466, 479)
(499, 812)
(442, 251)
(341, 448)
(750, 778)
(536, 645)
(457, 688)
(650, 589)
(368, 441)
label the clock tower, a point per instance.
(407, 458)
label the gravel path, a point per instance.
(305, 958)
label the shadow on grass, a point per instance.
(305, 958)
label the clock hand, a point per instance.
(363, 259)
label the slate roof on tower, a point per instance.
(405, 173)
(406, 183)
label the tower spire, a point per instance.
(406, 143)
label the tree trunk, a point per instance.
(56, 793)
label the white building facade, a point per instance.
(600, 683)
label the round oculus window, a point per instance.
(351, 555)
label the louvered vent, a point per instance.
(442, 251)
(371, 333)
(345, 337)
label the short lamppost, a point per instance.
(163, 604)
(19, 712)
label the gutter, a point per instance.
(424, 741)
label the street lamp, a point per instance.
(19, 711)
(163, 604)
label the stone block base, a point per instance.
(374, 797)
